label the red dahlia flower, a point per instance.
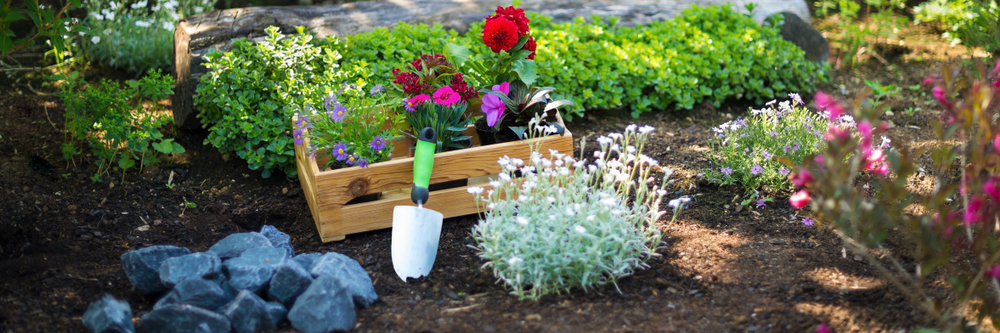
(515, 15)
(531, 46)
(500, 34)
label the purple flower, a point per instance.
(726, 170)
(351, 159)
(378, 143)
(766, 155)
(408, 107)
(807, 221)
(760, 203)
(756, 169)
(493, 108)
(787, 148)
(783, 171)
(298, 137)
(747, 150)
(796, 147)
(773, 133)
(329, 102)
(340, 151)
(378, 89)
(338, 113)
(363, 162)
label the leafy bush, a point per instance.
(970, 22)
(116, 122)
(137, 36)
(744, 149)
(566, 224)
(667, 63)
(949, 230)
(382, 50)
(248, 98)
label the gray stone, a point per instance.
(278, 312)
(278, 239)
(197, 34)
(182, 318)
(325, 307)
(197, 292)
(234, 245)
(143, 266)
(308, 260)
(248, 313)
(201, 265)
(803, 35)
(109, 315)
(350, 273)
(289, 281)
(253, 269)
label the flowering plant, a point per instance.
(513, 104)
(350, 128)
(745, 149)
(566, 223)
(137, 36)
(508, 36)
(949, 230)
(435, 95)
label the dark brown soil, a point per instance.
(722, 270)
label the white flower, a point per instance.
(678, 202)
(98, 16)
(578, 164)
(564, 171)
(661, 192)
(475, 190)
(551, 199)
(140, 4)
(615, 135)
(155, 8)
(113, 5)
(646, 129)
(527, 170)
(494, 183)
(522, 221)
(616, 147)
(522, 198)
(81, 33)
(140, 23)
(513, 261)
(517, 161)
(608, 202)
(570, 212)
(168, 26)
(590, 218)
(491, 206)
(558, 163)
(604, 141)
(630, 128)
(580, 229)
(95, 39)
(630, 149)
(504, 177)
(592, 168)
(198, 10)
(170, 4)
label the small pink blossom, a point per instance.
(799, 199)
(826, 103)
(837, 133)
(992, 187)
(996, 142)
(994, 273)
(503, 87)
(415, 101)
(939, 94)
(446, 96)
(972, 213)
(822, 328)
(800, 178)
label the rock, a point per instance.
(143, 266)
(201, 265)
(234, 245)
(325, 307)
(277, 311)
(197, 34)
(197, 292)
(307, 260)
(351, 275)
(289, 281)
(253, 269)
(109, 315)
(248, 313)
(177, 318)
(278, 239)
(803, 35)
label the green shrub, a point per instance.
(970, 22)
(248, 98)
(382, 50)
(115, 123)
(135, 35)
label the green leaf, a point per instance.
(525, 70)
(457, 54)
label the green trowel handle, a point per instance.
(423, 164)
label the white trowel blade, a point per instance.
(415, 235)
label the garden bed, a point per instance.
(61, 237)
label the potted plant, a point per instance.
(435, 95)
(510, 69)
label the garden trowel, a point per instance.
(417, 230)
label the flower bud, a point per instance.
(992, 187)
(940, 96)
(799, 199)
(826, 103)
(972, 211)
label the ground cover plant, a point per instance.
(347, 128)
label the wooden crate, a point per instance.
(328, 192)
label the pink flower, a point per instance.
(940, 95)
(993, 188)
(800, 178)
(972, 212)
(836, 133)
(493, 108)
(996, 142)
(415, 101)
(822, 328)
(819, 160)
(799, 199)
(873, 158)
(994, 273)
(826, 103)
(503, 87)
(446, 96)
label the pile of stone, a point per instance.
(244, 283)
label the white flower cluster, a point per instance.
(553, 222)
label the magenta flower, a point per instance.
(493, 107)
(826, 103)
(446, 96)
(992, 187)
(996, 143)
(994, 273)
(415, 101)
(822, 328)
(760, 203)
(939, 94)
(503, 87)
(972, 214)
